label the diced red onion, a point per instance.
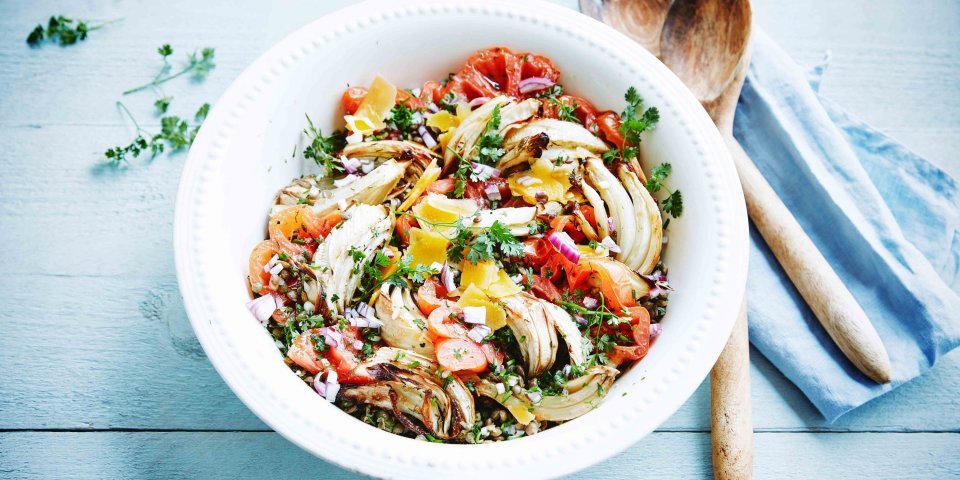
(388, 252)
(476, 315)
(476, 102)
(580, 319)
(533, 84)
(478, 333)
(590, 302)
(610, 225)
(357, 344)
(433, 107)
(350, 164)
(333, 386)
(566, 370)
(331, 337)
(535, 396)
(492, 192)
(446, 277)
(353, 138)
(263, 307)
(319, 386)
(271, 263)
(487, 170)
(610, 244)
(655, 330)
(365, 310)
(345, 181)
(565, 245)
(428, 139)
(276, 269)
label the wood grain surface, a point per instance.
(102, 377)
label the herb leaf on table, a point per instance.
(64, 30)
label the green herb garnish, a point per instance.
(66, 31)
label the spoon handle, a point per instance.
(834, 305)
(731, 423)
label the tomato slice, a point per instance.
(259, 257)
(406, 98)
(303, 353)
(614, 282)
(640, 325)
(532, 65)
(442, 186)
(430, 296)
(326, 223)
(566, 223)
(500, 66)
(494, 356)
(621, 354)
(351, 99)
(344, 358)
(459, 355)
(544, 289)
(443, 323)
(301, 222)
(430, 92)
(403, 226)
(536, 251)
(609, 124)
(589, 215)
(584, 110)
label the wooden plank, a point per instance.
(890, 63)
(160, 455)
(118, 352)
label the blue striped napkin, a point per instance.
(885, 218)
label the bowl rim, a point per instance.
(680, 382)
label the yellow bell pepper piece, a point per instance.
(374, 108)
(430, 175)
(474, 297)
(544, 177)
(427, 248)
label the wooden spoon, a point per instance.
(705, 42)
(731, 420)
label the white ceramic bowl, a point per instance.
(242, 156)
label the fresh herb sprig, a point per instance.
(198, 64)
(63, 30)
(673, 203)
(476, 244)
(175, 134)
(322, 148)
(634, 121)
(406, 273)
(489, 147)
(488, 151)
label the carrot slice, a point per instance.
(457, 355)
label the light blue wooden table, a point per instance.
(102, 377)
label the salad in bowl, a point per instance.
(472, 260)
